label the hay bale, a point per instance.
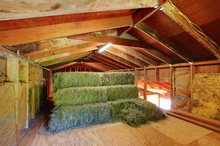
(75, 79)
(79, 79)
(86, 95)
(117, 78)
(133, 112)
(70, 117)
(80, 95)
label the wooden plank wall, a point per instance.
(17, 97)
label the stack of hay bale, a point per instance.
(85, 98)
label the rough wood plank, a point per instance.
(63, 66)
(192, 71)
(145, 84)
(118, 59)
(125, 56)
(75, 49)
(105, 62)
(109, 39)
(136, 54)
(17, 10)
(22, 36)
(149, 31)
(168, 8)
(7, 116)
(32, 79)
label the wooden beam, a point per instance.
(145, 84)
(136, 54)
(96, 67)
(171, 86)
(23, 36)
(63, 66)
(105, 62)
(139, 16)
(67, 60)
(110, 61)
(192, 71)
(76, 49)
(136, 76)
(125, 56)
(152, 33)
(118, 59)
(109, 39)
(157, 74)
(68, 57)
(32, 79)
(14, 10)
(169, 9)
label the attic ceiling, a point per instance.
(141, 32)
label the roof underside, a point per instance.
(140, 36)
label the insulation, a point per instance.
(85, 95)
(133, 112)
(79, 79)
(206, 95)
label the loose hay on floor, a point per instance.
(86, 95)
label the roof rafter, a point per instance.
(125, 56)
(136, 54)
(23, 36)
(168, 8)
(152, 33)
(105, 62)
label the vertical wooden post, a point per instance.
(171, 86)
(32, 78)
(37, 99)
(145, 84)
(13, 76)
(24, 77)
(70, 69)
(192, 71)
(158, 100)
(136, 77)
(157, 74)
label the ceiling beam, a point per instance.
(109, 60)
(68, 57)
(63, 66)
(139, 16)
(76, 49)
(17, 10)
(67, 54)
(28, 35)
(169, 9)
(98, 65)
(92, 67)
(125, 56)
(118, 59)
(105, 62)
(109, 39)
(95, 66)
(159, 38)
(136, 54)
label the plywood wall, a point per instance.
(3, 68)
(206, 95)
(181, 86)
(7, 116)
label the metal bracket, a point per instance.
(18, 53)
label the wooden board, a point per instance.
(30, 88)
(7, 115)
(22, 107)
(3, 71)
(181, 84)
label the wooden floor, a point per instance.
(169, 132)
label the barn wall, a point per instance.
(206, 95)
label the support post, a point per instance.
(192, 71)
(136, 77)
(145, 84)
(157, 74)
(32, 78)
(171, 86)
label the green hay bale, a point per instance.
(75, 79)
(70, 117)
(86, 95)
(117, 78)
(133, 112)
(79, 79)
(80, 95)
(122, 92)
